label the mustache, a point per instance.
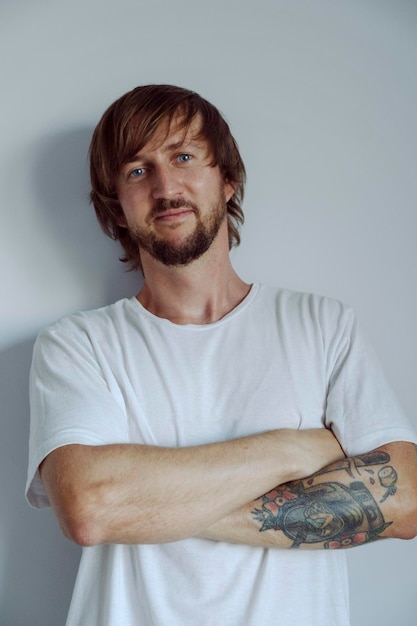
(163, 204)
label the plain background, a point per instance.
(321, 96)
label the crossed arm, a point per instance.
(353, 501)
(147, 494)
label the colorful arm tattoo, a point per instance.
(334, 514)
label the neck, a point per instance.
(200, 293)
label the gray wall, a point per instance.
(322, 99)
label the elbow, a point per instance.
(407, 528)
(401, 508)
(81, 532)
(89, 518)
(411, 534)
(81, 522)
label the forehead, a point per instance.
(174, 133)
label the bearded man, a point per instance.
(189, 436)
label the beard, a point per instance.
(194, 245)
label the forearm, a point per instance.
(349, 503)
(150, 494)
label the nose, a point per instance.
(166, 183)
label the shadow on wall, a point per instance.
(37, 564)
(61, 187)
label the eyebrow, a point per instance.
(175, 145)
(179, 144)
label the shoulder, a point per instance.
(85, 330)
(312, 322)
(306, 308)
(98, 320)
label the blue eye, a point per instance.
(183, 158)
(136, 173)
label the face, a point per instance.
(173, 200)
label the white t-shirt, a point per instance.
(279, 360)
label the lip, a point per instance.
(173, 215)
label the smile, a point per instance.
(173, 215)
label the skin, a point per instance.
(116, 493)
(207, 289)
(344, 505)
(175, 230)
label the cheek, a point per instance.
(208, 181)
(131, 205)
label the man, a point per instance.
(189, 436)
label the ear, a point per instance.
(121, 222)
(120, 217)
(229, 189)
(117, 209)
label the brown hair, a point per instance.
(128, 124)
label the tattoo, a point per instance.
(387, 475)
(332, 513)
(387, 478)
(337, 515)
(357, 462)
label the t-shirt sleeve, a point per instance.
(71, 402)
(362, 409)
